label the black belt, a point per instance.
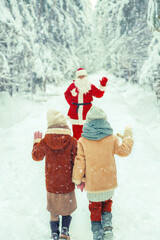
(79, 104)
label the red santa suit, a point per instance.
(80, 103)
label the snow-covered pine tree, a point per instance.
(154, 10)
(125, 35)
(150, 73)
(45, 41)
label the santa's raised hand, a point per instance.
(103, 81)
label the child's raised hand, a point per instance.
(127, 132)
(81, 186)
(37, 135)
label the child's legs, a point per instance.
(66, 220)
(107, 219)
(77, 130)
(107, 206)
(54, 224)
(54, 217)
(96, 210)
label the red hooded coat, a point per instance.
(59, 148)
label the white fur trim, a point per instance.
(37, 140)
(102, 88)
(58, 131)
(81, 73)
(76, 121)
(80, 109)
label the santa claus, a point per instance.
(79, 96)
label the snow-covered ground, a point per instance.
(136, 208)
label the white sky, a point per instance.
(93, 2)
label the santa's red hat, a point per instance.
(81, 72)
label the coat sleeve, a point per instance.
(38, 152)
(97, 92)
(79, 165)
(74, 151)
(68, 95)
(123, 149)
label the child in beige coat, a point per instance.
(95, 168)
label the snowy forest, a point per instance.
(42, 44)
(46, 41)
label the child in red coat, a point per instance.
(59, 150)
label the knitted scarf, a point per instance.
(97, 129)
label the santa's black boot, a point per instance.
(54, 229)
(66, 220)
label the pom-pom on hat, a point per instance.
(81, 72)
(95, 113)
(55, 118)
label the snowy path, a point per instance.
(136, 207)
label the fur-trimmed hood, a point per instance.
(59, 150)
(57, 138)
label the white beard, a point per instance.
(83, 85)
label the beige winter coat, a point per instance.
(95, 162)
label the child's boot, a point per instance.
(66, 220)
(97, 230)
(54, 229)
(107, 225)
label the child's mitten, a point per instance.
(37, 135)
(127, 132)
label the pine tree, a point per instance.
(125, 35)
(45, 41)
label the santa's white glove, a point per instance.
(73, 92)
